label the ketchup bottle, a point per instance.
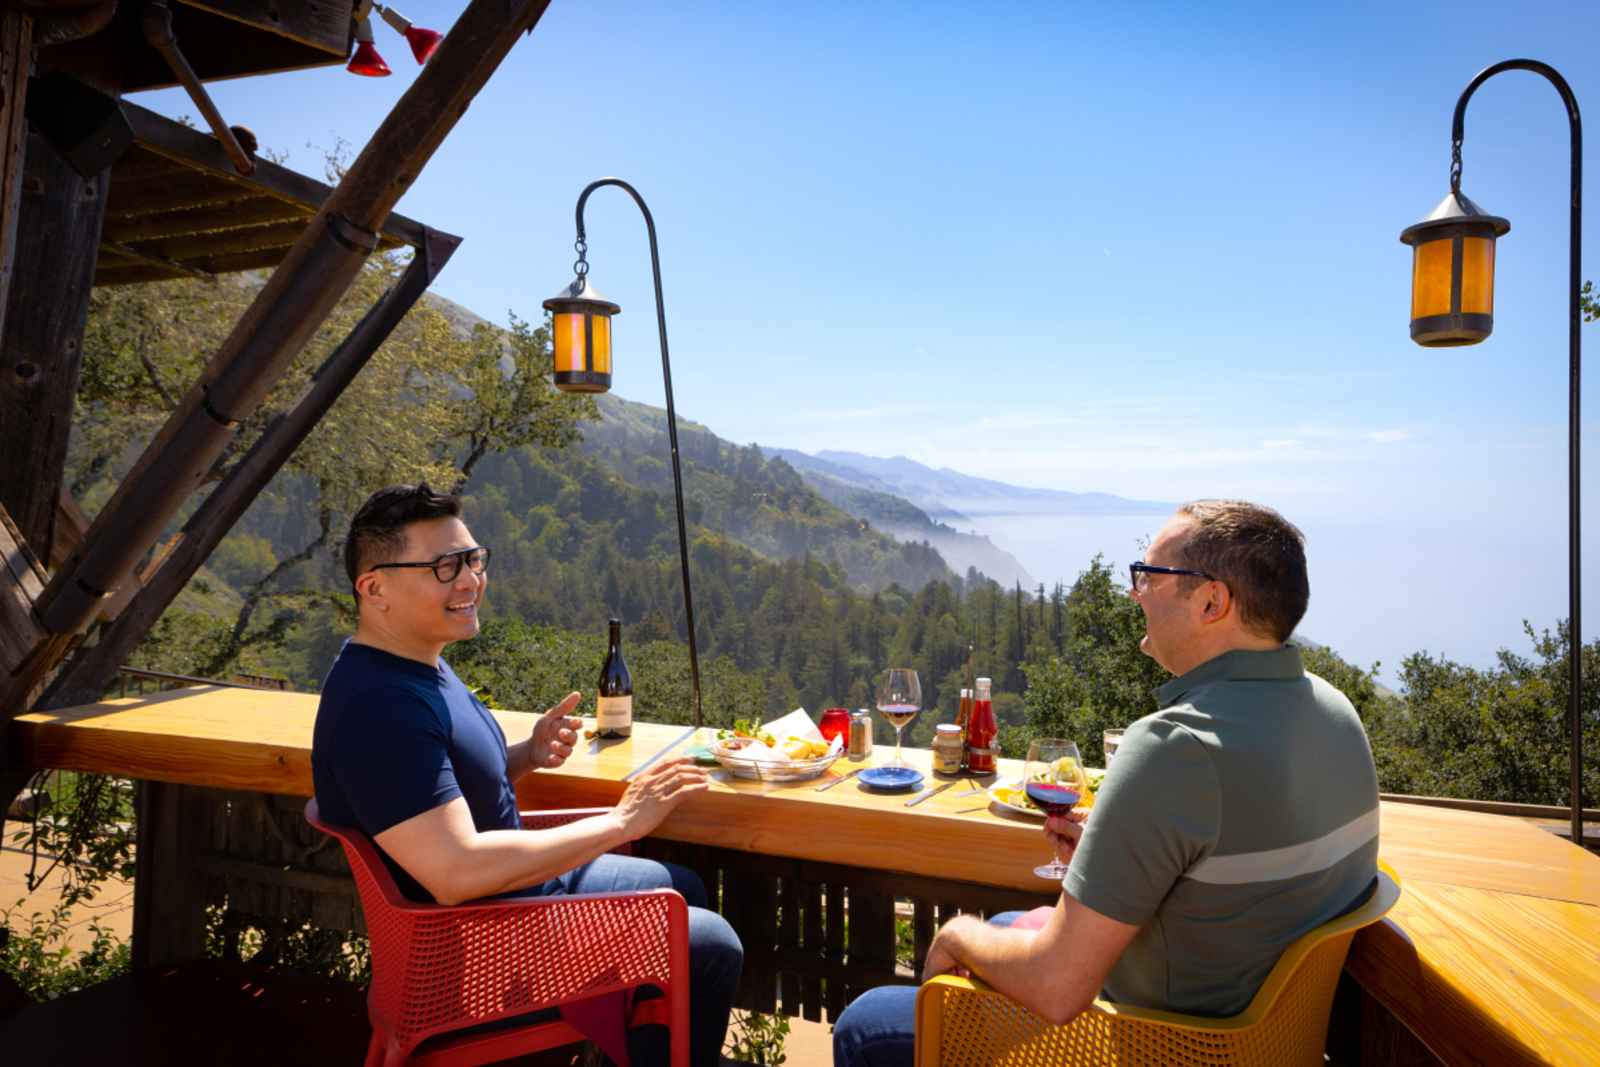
(982, 733)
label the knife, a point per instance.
(935, 791)
(631, 775)
(836, 781)
(974, 791)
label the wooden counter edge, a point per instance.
(1385, 962)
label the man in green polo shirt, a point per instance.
(1236, 818)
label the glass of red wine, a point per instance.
(1054, 782)
(899, 699)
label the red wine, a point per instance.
(1052, 799)
(614, 703)
(899, 715)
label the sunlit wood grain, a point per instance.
(1491, 956)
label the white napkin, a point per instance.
(795, 724)
(798, 724)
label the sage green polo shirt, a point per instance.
(1236, 818)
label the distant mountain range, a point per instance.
(911, 501)
(949, 494)
(898, 497)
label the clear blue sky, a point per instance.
(1148, 249)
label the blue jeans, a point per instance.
(877, 1029)
(715, 955)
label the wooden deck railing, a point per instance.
(143, 679)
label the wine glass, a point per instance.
(1054, 781)
(899, 700)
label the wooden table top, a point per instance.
(1491, 955)
(256, 740)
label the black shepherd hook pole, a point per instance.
(1574, 596)
(672, 415)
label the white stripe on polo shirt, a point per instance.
(1294, 861)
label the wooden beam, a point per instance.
(134, 256)
(219, 45)
(41, 349)
(285, 314)
(23, 579)
(313, 22)
(86, 677)
(16, 48)
(134, 274)
(166, 893)
(71, 523)
(257, 212)
(176, 192)
(200, 151)
(278, 235)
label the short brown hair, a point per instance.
(378, 531)
(1259, 554)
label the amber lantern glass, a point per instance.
(1452, 273)
(580, 329)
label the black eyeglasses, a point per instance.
(449, 565)
(1141, 567)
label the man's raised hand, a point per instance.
(555, 734)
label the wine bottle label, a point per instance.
(613, 711)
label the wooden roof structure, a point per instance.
(177, 208)
(220, 39)
(106, 193)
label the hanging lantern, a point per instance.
(581, 338)
(423, 42)
(366, 61)
(1452, 273)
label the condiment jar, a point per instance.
(861, 735)
(947, 749)
(835, 722)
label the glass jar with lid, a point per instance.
(947, 749)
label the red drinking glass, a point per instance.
(835, 723)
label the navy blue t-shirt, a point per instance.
(395, 738)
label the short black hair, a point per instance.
(378, 530)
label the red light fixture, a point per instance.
(366, 61)
(423, 42)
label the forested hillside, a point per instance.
(799, 602)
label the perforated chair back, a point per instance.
(963, 1023)
(438, 970)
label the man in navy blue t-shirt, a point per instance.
(405, 753)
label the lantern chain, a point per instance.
(581, 267)
(1455, 165)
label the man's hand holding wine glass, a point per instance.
(1064, 832)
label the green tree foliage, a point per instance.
(1495, 734)
(1099, 680)
(430, 404)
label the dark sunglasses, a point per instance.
(1141, 567)
(449, 565)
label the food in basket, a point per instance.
(791, 747)
(793, 737)
(802, 747)
(787, 749)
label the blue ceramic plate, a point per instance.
(891, 779)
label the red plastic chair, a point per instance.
(438, 969)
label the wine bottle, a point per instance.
(614, 702)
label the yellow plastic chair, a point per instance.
(961, 1022)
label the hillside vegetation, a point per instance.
(801, 597)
